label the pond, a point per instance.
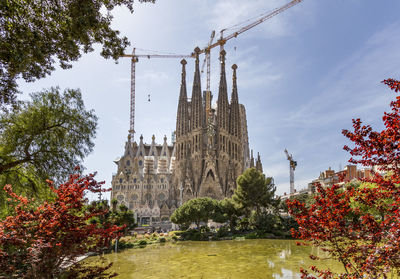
(258, 258)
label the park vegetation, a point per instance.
(44, 226)
(359, 224)
(35, 35)
(40, 240)
(252, 211)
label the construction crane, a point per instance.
(221, 42)
(134, 59)
(292, 167)
(207, 60)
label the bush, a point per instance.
(142, 242)
(162, 239)
(222, 232)
(125, 245)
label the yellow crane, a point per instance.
(135, 57)
(292, 167)
(223, 39)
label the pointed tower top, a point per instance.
(234, 96)
(197, 102)
(141, 137)
(222, 102)
(183, 62)
(153, 138)
(222, 56)
(183, 94)
(165, 138)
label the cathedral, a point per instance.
(209, 151)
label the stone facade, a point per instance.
(210, 151)
(142, 182)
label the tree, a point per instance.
(360, 226)
(254, 191)
(34, 34)
(195, 210)
(228, 211)
(45, 138)
(123, 217)
(36, 241)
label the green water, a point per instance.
(258, 258)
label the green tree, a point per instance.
(228, 211)
(195, 210)
(45, 138)
(254, 191)
(34, 34)
(122, 217)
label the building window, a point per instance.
(140, 162)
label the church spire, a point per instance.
(197, 102)
(258, 163)
(234, 117)
(222, 103)
(182, 115)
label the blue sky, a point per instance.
(302, 75)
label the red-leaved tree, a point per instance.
(40, 241)
(360, 225)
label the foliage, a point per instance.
(44, 139)
(33, 34)
(195, 210)
(254, 191)
(265, 222)
(36, 242)
(305, 198)
(122, 217)
(228, 211)
(364, 238)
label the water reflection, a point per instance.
(261, 258)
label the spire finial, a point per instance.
(222, 56)
(183, 62)
(141, 137)
(234, 67)
(165, 138)
(153, 138)
(197, 53)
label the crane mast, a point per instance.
(221, 42)
(292, 167)
(207, 50)
(134, 59)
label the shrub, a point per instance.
(162, 239)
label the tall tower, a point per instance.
(197, 125)
(211, 144)
(222, 103)
(182, 120)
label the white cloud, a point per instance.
(353, 87)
